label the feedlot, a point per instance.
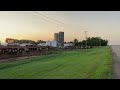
(7, 52)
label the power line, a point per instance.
(49, 18)
(57, 21)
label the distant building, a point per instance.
(4, 44)
(42, 44)
(68, 44)
(58, 40)
(61, 38)
(54, 44)
(13, 44)
(56, 37)
(48, 43)
(26, 44)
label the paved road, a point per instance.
(116, 61)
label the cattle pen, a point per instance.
(7, 52)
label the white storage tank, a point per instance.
(26, 44)
(54, 44)
(42, 44)
(48, 43)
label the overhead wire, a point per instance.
(57, 21)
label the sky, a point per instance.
(32, 26)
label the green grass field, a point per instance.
(78, 64)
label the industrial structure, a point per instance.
(61, 38)
(56, 38)
(57, 42)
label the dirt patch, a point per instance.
(16, 59)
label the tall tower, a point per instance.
(56, 37)
(61, 38)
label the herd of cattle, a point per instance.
(7, 52)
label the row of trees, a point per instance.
(11, 40)
(93, 41)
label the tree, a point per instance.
(79, 43)
(25, 41)
(76, 42)
(83, 43)
(91, 41)
(96, 41)
(40, 41)
(10, 40)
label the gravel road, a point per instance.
(116, 61)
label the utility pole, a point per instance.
(86, 37)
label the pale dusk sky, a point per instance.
(29, 25)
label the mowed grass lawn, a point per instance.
(77, 64)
